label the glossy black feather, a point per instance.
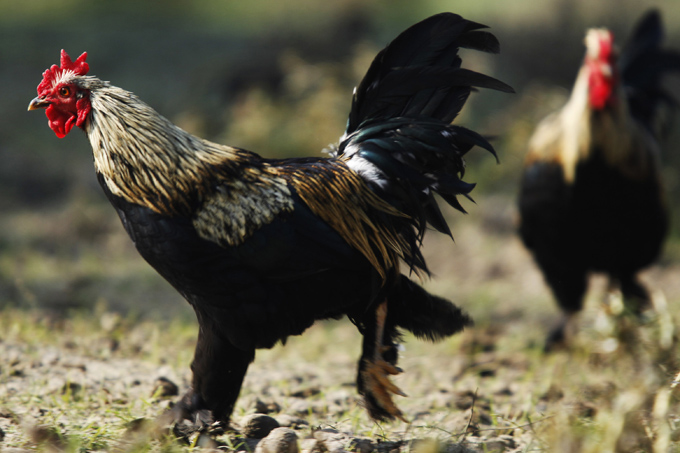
(643, 64)
(428, 47)
(398, 134)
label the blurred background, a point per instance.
(276, 78)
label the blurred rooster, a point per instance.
(591, 196)
(261, 248)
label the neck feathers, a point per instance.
(577, 130)
(147, 160)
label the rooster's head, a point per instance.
(66, 102)
(601, 63)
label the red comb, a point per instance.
(78, 67)
(607, 46)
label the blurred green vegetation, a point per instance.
(272, 77)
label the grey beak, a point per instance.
(38, 103)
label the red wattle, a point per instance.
(59, 121)
(83, 106)
(601, 88)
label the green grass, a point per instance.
(592, 398)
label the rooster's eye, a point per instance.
(64, 91)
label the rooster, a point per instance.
(261, 248)
(591, 197)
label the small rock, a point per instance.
(584, 409)
(300, 407)
(137, 425)
(2, 435)
(110, 321)
(335, 441)
(360, 445)
(258, 426)
(206, 442)
(309, 445)
(495, 444)
(7, 413)
(464, 399)
(306, 392)
(47, 437)
(426, 446)
(487, 372)
(248, 445)
(554, 393)
(505, 391)
(280, 440)
(290, 421)
(71, 388)
(323, 434)
(164, 387)
(266, 408)
(389, 446)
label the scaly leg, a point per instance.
(374, 371)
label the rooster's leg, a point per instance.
(561, 336)
(218, 371)
(636, 297)
(568, 284)
(378, 363)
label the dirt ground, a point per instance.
(83, 382)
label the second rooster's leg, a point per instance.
(375, 369)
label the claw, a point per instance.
(376, 376)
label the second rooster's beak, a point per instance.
(38, 103)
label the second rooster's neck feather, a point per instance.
(572, 134)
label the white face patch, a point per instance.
(65, 75)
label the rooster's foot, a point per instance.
(377, 383)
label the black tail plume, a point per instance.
(643, 64)
(399, 137)
(425, 315)
(419, 74)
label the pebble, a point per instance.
(308, 445)
(71, 388)
(164, 387)
(494, 444)
(258, 426)
(266, 408)
(204, 441)
(48, 437)
(335, 441)
(279, 440)
(290, 421)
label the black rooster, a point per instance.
(591, 197)
(261, 248)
